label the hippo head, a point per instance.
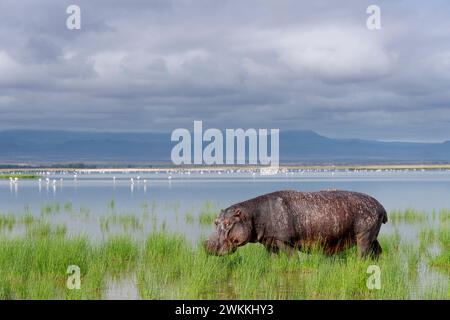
(233, 229)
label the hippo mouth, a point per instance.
(214, 247)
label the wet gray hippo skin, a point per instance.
(289, 220)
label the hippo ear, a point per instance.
(237, 212)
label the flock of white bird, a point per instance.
(170, 173)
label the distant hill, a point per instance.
(305, 147)
(312, 147)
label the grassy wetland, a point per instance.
(19, 176)
(137, 252)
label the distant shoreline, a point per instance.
(225, 168)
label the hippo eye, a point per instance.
(216, 222)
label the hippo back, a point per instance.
(291, 214)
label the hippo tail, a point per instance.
(385, 218)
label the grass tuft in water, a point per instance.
(409, 216)
(128, 222)
(206, 218)
(7, 222)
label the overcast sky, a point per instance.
(156, 65)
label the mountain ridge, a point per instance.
(296, 146)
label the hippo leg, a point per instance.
(279, 246)
(376, 249)
(364, 243)
(338, 246)
(368, 245)
(286, 248)
(272, 249)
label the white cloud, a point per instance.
(8, 66)
(336, 54)
(109, 64)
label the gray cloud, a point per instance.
(158, 65)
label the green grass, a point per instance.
(444, 216)
(7, 222)
(189, 218)
(207, 218)
(84, 212)
(208, 213)
(169, 267)
(409, 216)
(442, 262)
(165, 265)
(44, 230)
(440, 237)
(28, 219)
(172, 269)
(127, 222)
(19, 176)
(112, 205)
(49, 209)
(38, 269)
(68, 207)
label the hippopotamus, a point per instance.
(290, 220)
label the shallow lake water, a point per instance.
(170, 197)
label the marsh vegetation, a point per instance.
(35, 252)
(19, 176)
